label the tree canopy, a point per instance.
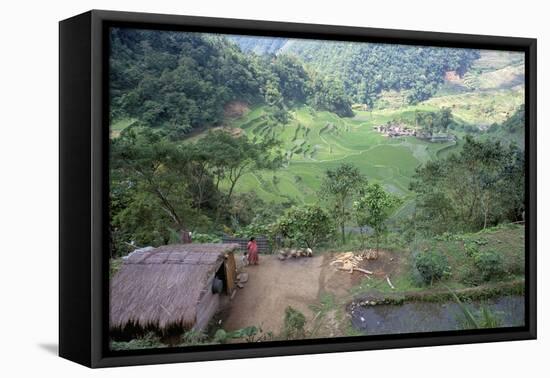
(307, 225)
(367, 69)
(482, 185)
(374, 208)
(338, 188)
(160, 186)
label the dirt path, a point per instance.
(273, 285)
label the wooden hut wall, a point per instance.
(230, 272)
(208, 304)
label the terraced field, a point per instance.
(316, 141)
(490, 92)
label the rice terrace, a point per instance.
(268, 189)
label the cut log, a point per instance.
(347, 265)
(363, 270)
(389, 282)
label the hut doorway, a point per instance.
(224, 279)
(219, 285)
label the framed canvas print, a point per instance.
(234, 188)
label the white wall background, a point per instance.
(29, 189)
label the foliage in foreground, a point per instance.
(146, 342)
(484, 318)
(250, 334)
(294, 328)
(294, 324)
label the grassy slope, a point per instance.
(508, 240)
(482, 108)
(490, 92)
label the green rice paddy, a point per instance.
(314, 141)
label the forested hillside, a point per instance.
(260, 45)
(367, 69)
(180, 81)
(176, 80)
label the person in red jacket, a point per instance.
(252, 248)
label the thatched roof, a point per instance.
(160, 287)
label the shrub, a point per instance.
(432, 266)
(468, 275)
(148, 341)
(306, 225)
(294, 324)
(490, 264)
(248, 333)
(471, 249)
(205, 238)
(221, 336)
(193, 337)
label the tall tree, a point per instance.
(151, 162)
(374, 208)
(151, 193)
(338, 187)
(231, 157)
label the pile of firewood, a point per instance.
(285, 253)
(370, 254)
(349, 261)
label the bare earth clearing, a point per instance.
(273, 285)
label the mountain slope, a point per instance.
(367, 69)
(259, 45)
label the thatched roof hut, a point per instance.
(171, 286)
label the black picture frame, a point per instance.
(84, 192)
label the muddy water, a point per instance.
(428, 316)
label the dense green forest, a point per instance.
(480, 186)
(260, 45)
(181, 81)
(367, 69)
